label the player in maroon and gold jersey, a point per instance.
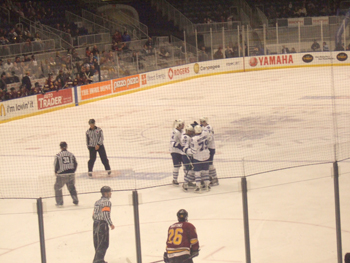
(182, 243)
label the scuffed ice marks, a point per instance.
(254, 128)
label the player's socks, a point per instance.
(176, 175)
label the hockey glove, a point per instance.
(194, 253)
(165, 257)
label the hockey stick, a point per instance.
(184, 261)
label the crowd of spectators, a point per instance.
(15, 35)
(37, 11)
(293, 9)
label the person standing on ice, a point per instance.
(94, 142)
(102, 219)
(176, 149)
(182, 243)
(65, 166)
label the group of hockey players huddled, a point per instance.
(194, 147)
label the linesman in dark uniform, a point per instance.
(94, 142)
(65, 166)
(102, 219)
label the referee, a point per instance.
(65, 166)
(94, 142)
(102, 218)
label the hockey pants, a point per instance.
(102, 152)
(65, 179)
(101, 240)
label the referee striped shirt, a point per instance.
(94, 137)
(102, 210)
(65, 163)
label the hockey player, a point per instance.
(187, 161)
(182, 243)
(211, 146)
(176, 149)
(199, 151)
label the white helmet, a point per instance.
(203, 119)
(189, 128)
(178, 123)
(197, 129)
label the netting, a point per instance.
(281, 128)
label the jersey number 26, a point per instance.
(175, 236)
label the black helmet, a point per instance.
(91, 121)
(105, 189)
(63, 145)
(182, 215)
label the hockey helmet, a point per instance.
(203, 119)
(197, 129)
(189, 128)
(182, 215)
(178, 123)
(63, 145)
(105, 189)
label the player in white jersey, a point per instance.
(176, 149)
(208, 129)
(186, 159)
(199, 151)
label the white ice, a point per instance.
(263, 121)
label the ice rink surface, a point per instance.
(263, 121)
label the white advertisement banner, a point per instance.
(271, 61)
(324, 20)
(215, 66)
(18, 107)
(293, 22)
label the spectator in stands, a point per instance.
(203, 56)
(285, 50)
(218, 54)
(8, 65)
(53, 65)
(147, 50)
(235, 50)
(149, 44)
(14, 78)
(126, 37)
(315, 46)
(163, 53)
(117, 37)
(87, 52)
(23, 92)
(36, 89)
(95, 51)
(12, 94)
(302, 11)
(293, 50)
(26, 58)
(325, 47)
(347, 258)
(2, 96)
(26, 81)
(3, 85)
(61, 77)
(228, 52)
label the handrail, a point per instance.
(173, 14)
(7, 13)
(142, 27)
(111, 25)
(23, 48)
(71, 17)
